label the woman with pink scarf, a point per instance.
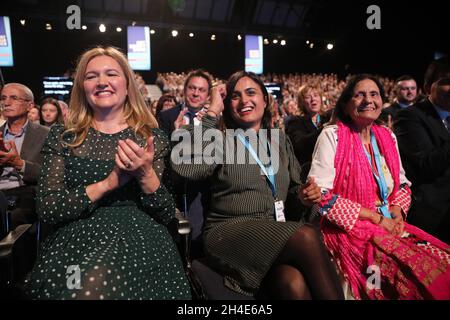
(366, 198)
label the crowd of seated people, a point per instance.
(355, 186)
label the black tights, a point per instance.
(303, 270)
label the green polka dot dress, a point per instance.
(115, 248)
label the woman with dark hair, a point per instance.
(165, 102)
(246, 235)
(366, 198)
(304, 130)
(50, 112)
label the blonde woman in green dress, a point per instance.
(100, 187)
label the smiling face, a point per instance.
(105, 84)
(366, 103)
(196, 92)
(247, 104)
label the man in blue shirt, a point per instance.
(21, 142)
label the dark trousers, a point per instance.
(22, 205)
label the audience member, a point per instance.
(21, 142)
(50, 112)
(423, 132)
(34, 115)
(303, 130)
(245, 237)
(366, 199)
(101, 188)
(405, 95)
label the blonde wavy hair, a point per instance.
(80, 118)
(301, 98)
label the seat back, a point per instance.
(206, 283)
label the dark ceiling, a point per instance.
(301, 19)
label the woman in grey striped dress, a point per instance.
(246, 236)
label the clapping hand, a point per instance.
(180, 121)
(138, 162)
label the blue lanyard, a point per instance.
(317, 122)
(268, 171)
(379, 177)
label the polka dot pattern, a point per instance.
(120, 244)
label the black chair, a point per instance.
(18, 251)
(206, 283)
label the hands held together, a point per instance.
(133, 161)
(394, 226)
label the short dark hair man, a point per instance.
(405, 95)
(423, 132)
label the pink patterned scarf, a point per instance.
(368, 244)
(354, 179)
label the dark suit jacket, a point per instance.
(167, 118)
(424, 146)
(31, 151)
(392, 109)
(303, 135)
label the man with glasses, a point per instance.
(423, 132)
(21, 142)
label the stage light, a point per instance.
(307, 41)
(152, 31)
(330, 46)
(102, 28)
(174, 33)
(48, 26)
(213, 37)
(119, 29)
(84, 27)
(239, 37)
(283, 42)
(266, 41)
(191, 35)
(311, 45)
(22, 22)
(275, 41)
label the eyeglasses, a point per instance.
(13, 99)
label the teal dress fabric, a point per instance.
(119, 247)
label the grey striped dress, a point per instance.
(241, 237)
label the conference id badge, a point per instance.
(279, 211)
